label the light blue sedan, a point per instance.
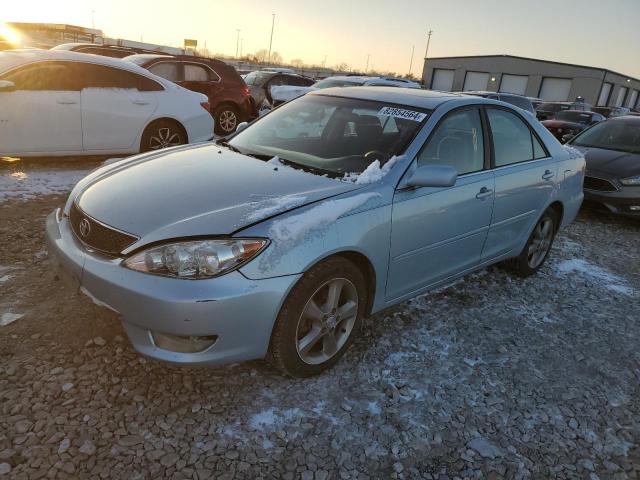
(278, 241)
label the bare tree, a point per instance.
(297, 63)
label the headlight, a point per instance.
(631, 181)
(195, 259)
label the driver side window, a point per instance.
(458, 142)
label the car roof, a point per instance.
(10, 59)
(626, 119)
(428, 99)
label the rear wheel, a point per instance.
(162, 134)
(537, 249)
(227, 119)
(319, 319)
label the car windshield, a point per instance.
(331, 135)
(612, 135)
(256, 78)
(552, 107)
(576, 117)
(330, 82)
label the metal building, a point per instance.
(531, 77)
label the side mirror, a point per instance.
(7, 86)
(433, 176)
(566, 137)
(241, 126)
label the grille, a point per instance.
(595, 183)
(100, 237)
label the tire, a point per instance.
(162, 134)
(227, 119)
(538, 245)
(309, 318)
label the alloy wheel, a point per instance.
(540, 242)
(228, 121)
(163, 138)
(327, 321)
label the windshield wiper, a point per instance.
(313, 169)
(225, 143)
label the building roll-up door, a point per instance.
(555, 89)
(622, 92)
(514, 84)
(633, 99)
(442, 80)
(475, 81)
(603, 99)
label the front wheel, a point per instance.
(162, 134)
(319, 319)
(537, 249)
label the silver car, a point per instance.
(277, 242)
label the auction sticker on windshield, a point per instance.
(400, 113)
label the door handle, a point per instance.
(139, 102)
(64, 101)
(484, 193)
(548, 175)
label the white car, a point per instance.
(284, 93)
(58, 103)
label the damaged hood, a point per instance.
(204, 190)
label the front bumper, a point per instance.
(240, 312)
(625, 201)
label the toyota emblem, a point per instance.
(85, 227)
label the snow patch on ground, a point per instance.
(595, 273)
(9, 317)
(5, 278)
(373, 173)
(26, 186)
(272, 418)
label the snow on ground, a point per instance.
(9, 317)
(26, 186)
(595, 274)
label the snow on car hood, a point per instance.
(206, 190)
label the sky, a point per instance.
(589, 32)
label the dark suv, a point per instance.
(229, 96)
(548, 110)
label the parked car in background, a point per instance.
(260, 83)
(113, 51)
(368, 197)
(285, 93)
(228, 94)
(548, 110)
(612, 111)
(517, 100)
(612, 152)
(56, 102)
(567, 123)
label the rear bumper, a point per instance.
(625, 201)
(238, 311)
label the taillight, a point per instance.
(246, 91)
(206, 106)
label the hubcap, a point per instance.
(327, 321)
(228, 121)
(540, 243)
(164, 138)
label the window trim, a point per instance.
(485, 138)
(486, 109)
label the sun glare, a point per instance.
(9, 34)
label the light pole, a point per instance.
(413, 49)
(237, 41)
(426, 53)
(366, 69)
(324, 62)
(241, 43)
(273, 22)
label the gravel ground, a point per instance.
(492, 377)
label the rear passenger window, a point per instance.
(167, 70)
(195, 73)
(457, 142)
(100, 76)
(512, 138)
